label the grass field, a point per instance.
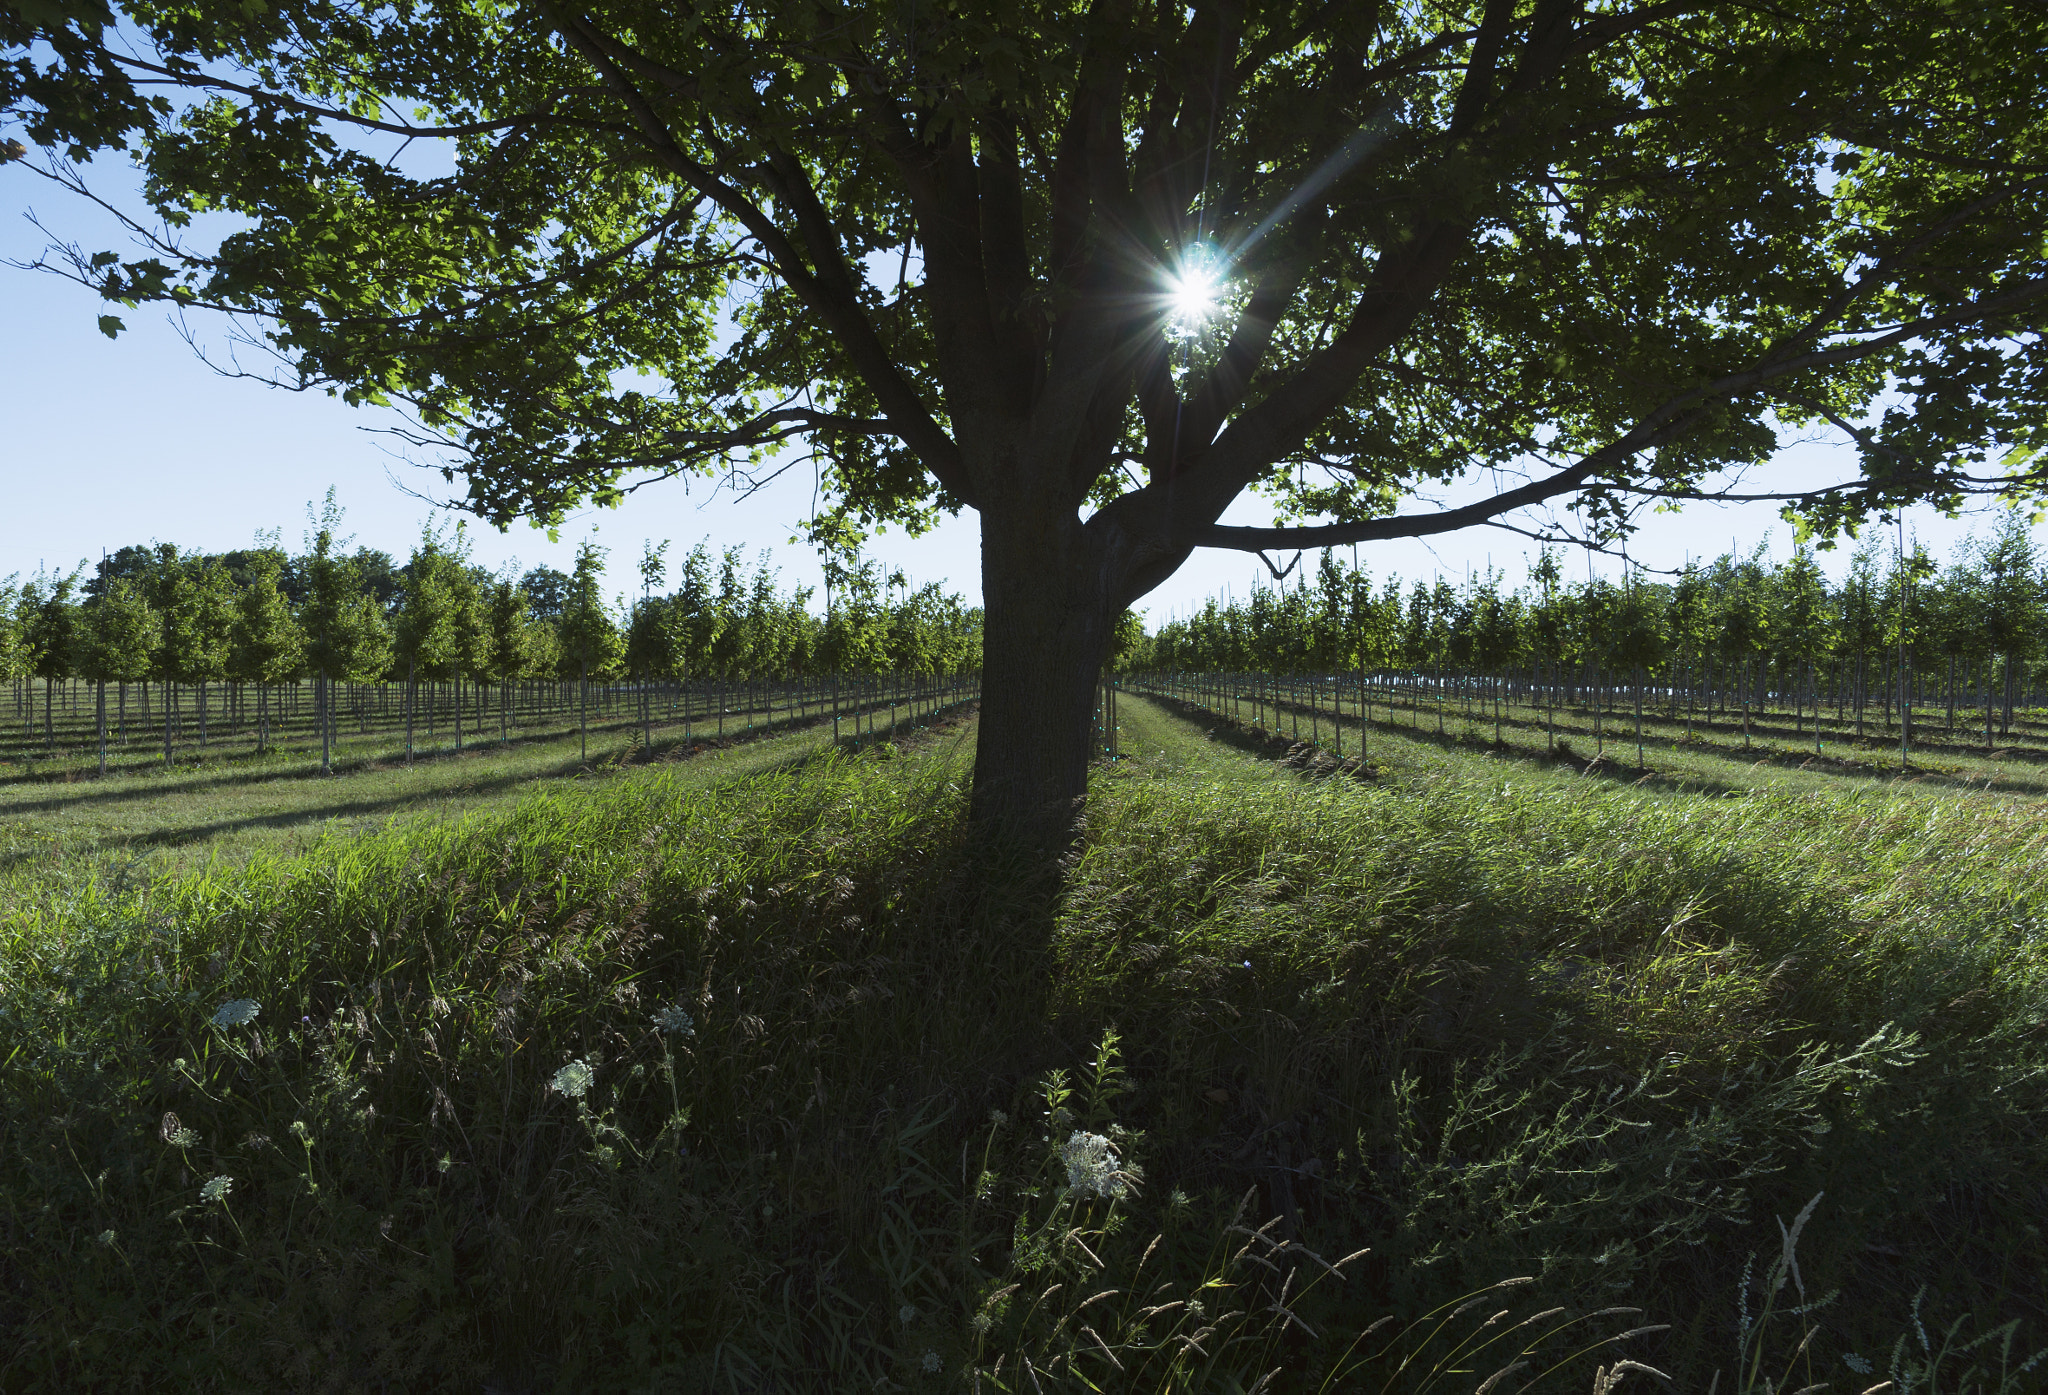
(752, 1072)
(1684, 749)
(60, 821)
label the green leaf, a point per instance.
(110, 325)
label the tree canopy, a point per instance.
(1094, 271)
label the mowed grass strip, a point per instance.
(58, 835)
(1466, 749)
(1594, 1036)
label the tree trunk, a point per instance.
(1044, 638)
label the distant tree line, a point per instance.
(183, 627)
(1901, 630)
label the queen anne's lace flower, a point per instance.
(217, 1188)
(907, 1314)
(183, 1138)
(1092, 1166)
(672, 1021)
(236, 1012)
(573, 1080)
(931, 1363)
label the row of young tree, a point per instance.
(1741, 631)
(260, 619)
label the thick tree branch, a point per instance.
(1657, 427)
(206, 82)
(837, 307)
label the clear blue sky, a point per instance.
(110, 442)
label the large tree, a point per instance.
(1094, 270)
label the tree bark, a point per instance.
(1048, 605)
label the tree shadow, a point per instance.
(906, 730)
(81, 794)
(1617, 770)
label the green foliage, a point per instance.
(1991, 601)
(1637, 245)
(346, 636)
(14, 653)
(516, 640)
(199, 618)
(592, 645)
(48, 625)
(123, 632)
(442, 629)
(268, 644)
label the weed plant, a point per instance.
(786, 1085)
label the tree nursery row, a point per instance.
(168, 649)
(1901, 646)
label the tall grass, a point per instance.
(788, 1085)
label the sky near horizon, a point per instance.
(105, 443)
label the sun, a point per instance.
(1194, 293)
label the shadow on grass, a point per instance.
(80, 792)
(1614, 765)
(358, 811)
(894, 1050)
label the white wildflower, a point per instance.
(998, 1118)
(183, 1138)
(107, 1238)
(672, 1021)
(907, 1314)
(301, 1132)
(1196, 1310)
(236, 1012)
(573, 1080)
(1859, 1364)
(1092, 1166)
(982, 1323)
(217, 1188)
(931, 1363)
